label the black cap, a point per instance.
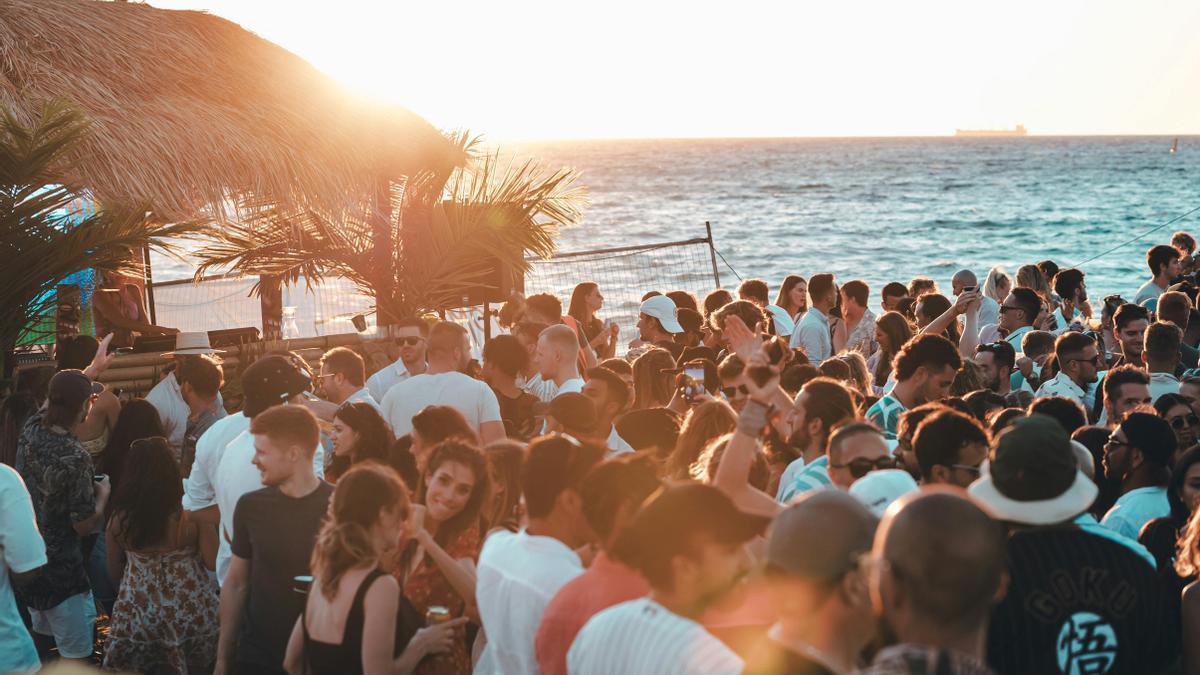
(670, 518)
(649, 427)
(1033, 460)
(270, 381)
(70, 388)
(574, 411)
(1152, 435)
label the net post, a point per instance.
(712, 253)
(148, 283)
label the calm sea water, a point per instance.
(884, 209)
(888, 209)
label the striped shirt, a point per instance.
(812, 477)
(642, 636)
(885, 414)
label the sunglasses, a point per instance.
(730, 392)
(411, 341)
(1095, 360)
(1008, 308)
(1181, 421)
(863, 466)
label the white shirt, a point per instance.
(1063, 385)
(643, 637)
(518, 575)
(989, 312)
(571, 386)
(1148, 291)
(473, 398)
(1163, 383)
(173, 411)
(235, 476)
(1136, 508)
(198, 488)
(382, 380)
(784, 326)
(21, 550)
(812, 335)
(364, 396)
(616, 444)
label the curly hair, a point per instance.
(702, 424)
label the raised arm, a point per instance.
(459, 572)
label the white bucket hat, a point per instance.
(878, 489)
(187, 344)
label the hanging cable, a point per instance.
(722, 256)
(1140, 236)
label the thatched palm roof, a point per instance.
(188, 108)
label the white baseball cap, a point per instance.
(878, 489)
(662, 308)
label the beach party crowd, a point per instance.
(979, 474)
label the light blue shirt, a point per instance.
(812, 477)
(1014, 338)
(812, 335)
(1136, 508)
(1087, 523)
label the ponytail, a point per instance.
(340, 547)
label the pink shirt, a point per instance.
(604, 584)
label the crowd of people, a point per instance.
(1000, 479)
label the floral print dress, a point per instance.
(165, 618)
(428, 587)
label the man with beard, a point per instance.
(937, 568)
(1069, 286)
(689, 542)
(1129, 327)
(996, 361)
(925, 369)
(410, 335)
(1079, 366)
(822, 405)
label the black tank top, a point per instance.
(346, 657)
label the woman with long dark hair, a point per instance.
(138, 420)
(438, 567)
(359, 433)
(892, 331)
(653, 385)
(793, 296)
(355, 619)
(165, 618)
(586, 300)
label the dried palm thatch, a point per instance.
(189, 109)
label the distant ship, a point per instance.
(1018, 131)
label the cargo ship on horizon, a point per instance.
(1018, 131)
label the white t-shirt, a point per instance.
(385, 378)
(173, 410)
(21, 550)
(235, 476)
(518, 575)
(641, 636)
(473, 398)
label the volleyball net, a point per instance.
(624, 275)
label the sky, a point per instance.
(522, 70)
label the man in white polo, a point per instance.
(166, 398)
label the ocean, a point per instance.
(888, 209)
(878, 209)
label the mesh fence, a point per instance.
(226, 302)
(624, 275)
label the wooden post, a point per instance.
(270, 300)
(712, 253)
(382, 254)
(148, 282)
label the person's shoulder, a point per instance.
(10, 479)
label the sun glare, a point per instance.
(674, 69)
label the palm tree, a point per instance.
(421, 246)
(44, 235)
